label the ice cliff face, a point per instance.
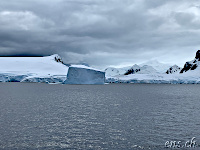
(79, 74)
(192, 65)
(173, 69)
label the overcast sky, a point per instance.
(102, 32)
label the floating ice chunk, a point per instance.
(80, 74)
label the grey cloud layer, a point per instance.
(101, 32)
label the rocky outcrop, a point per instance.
(57, 58)
(173, 69)
(198, 55)
(192, 65)
(134, 69)
(146, 69)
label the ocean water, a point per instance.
(114, 116)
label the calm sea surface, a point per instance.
(114, 116)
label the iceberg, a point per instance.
(80, 74)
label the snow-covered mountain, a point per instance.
(149, 67)
(173, 69)
(190, 74)
(135, 69)
(158, 66)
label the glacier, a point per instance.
(49, 69)
(80, 74)
(187, 78)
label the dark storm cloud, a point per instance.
(101, 32)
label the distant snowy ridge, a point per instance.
(135, 69)
(149, 67)
(190, 74)
(158, 66)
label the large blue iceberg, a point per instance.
(79, 74)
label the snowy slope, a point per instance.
(146, 69)
(33, 68)
(158, 66)
(37, 66)
(111, 71)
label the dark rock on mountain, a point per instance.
(58, 58)
(198, 55)
(173, 69)
(191, 65)
(134, 69)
